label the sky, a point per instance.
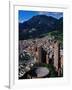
(26, 15)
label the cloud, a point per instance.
(42, 12)
(53, 14)
(56, 14)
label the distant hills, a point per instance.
(39, 26)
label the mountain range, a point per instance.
(38, 26)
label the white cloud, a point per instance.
(41, 12)
(53, 14)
